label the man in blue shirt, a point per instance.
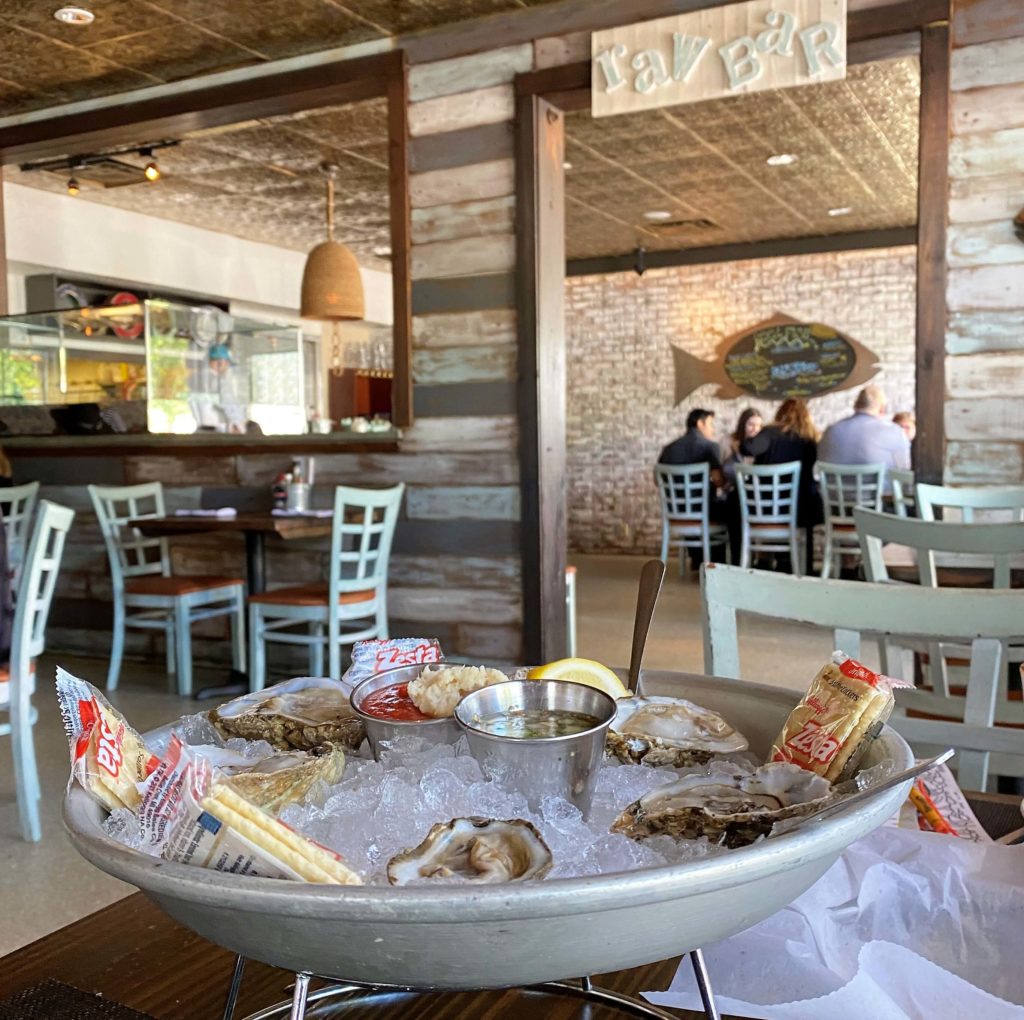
(865, 437)
(698, 446)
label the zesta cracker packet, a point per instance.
(842, 712)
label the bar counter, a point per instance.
(200, 444)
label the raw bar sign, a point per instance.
(725, 51)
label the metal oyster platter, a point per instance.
(488, 936)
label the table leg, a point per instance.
(255, 562)
(256, 583)
(233, 990)
(704, 985)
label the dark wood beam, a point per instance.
(540, 308)
(894, 18)
(401, 266)
(177, 114)
(858, 240)
(4, 296)
(932, 183)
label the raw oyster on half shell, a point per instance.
(729, 807)
(481, 850)
(670, 731)
(302, 714)
(272, 783)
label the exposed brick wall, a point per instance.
(620, 374)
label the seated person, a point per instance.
(793, 436)
(907, 422)
(749, 424)
(865, 437)
(697, 446)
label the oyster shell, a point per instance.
(483, 850)
(302, 713)
(670, 731)
(730, 807)
(282, 779)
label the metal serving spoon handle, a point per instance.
(651, 576)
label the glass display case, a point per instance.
(154, 366)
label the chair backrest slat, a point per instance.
(844, 486)
(995, 544)
(18, 506)
(1004, 503)
(364, 526)
(131, 554)
(903, 500)
(37, 584)
(979, 618)
(769, 493)
(683, 489)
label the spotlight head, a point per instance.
(152, 171)
(73, 188)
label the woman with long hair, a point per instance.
(793, 436)
(747, 426)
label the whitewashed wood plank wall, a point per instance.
(985, 293)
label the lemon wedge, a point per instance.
(581, 671)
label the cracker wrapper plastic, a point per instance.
(378, 654)
(836, 720)
(108, 757)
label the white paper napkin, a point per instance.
(221, 511)
(906, 925)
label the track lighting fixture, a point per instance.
(73, 188)
(151, 170)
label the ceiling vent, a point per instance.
(689, 226)
(107, 173)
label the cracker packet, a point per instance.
(108, 757)
(378, 654)
(842, 712)
(192, 814)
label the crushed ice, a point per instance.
(382, 808)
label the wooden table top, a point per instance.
(266, 523)
(133, 953)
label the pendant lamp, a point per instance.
(332, 288)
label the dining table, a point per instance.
(255, 527)
(147, 966)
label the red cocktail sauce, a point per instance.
(393, 703)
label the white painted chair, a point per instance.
(903, 501)
(989, 545)
(685, 511)
(996, 504)
(18, 506)
(33, 596)
(769, 497)
(844, 486)
(351, 606)
(147, 595)
(850, 609)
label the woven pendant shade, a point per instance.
(332, 287)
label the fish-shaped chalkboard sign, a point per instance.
(778, 358)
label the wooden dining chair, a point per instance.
(351, 605)
(769, 499)
(903, 502)
(18, 506)
(988, 546)
(685, 511)
(851, 609)
(843, 487)
(1003, 503)
(148, 596)
(33, 597)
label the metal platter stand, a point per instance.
(343, 994)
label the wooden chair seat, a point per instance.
(310, 595)
(175, 586)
